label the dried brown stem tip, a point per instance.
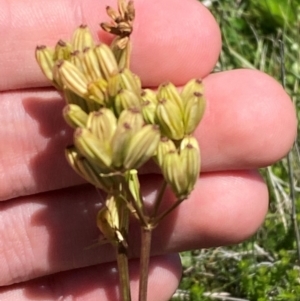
(121, 20)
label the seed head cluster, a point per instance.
(118, 125)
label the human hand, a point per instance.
(48, 214)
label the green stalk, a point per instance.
(156, 220)
(122, 260)
(159, 198)
(146, 234)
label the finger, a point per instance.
(249, 122)
(59, 229)
(99, 283)
(169, 37)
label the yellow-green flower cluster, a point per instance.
(118, 126)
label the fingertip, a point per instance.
(174, 41)
(224, 208)
(250, 112)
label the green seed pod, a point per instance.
(75, 116)
(192, 86)
(169, 91)
(132, 179)
(126, 99)
(149, 104)
(120, 143)
(170, 119)
(45, 58)
(95, 177)
(82, 38)
(102, 124)
(130, 81)
(165, 146)
(173, 172)
(133, 117)
(72, 157)
(87, 171)
(92, 149)
(110, 220)
(129, 122)
(76, 58)
(194, 108)
(90, 65)
(141, 146)
(114, 85)
(190, 158)
(72, 78)
(105, 225)
(106, 60)
(97, 91)
(62, 50)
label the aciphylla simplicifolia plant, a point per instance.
(119, 126)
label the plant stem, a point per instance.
(159, 198)
(122, 260)
(166, 212)
(146, 234)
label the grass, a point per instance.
(264, 35)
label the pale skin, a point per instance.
(47, 213)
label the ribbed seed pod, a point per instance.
(192, 86)
(120, 143)
(173, 172)
(164, 146)
(149, 104)
(97, 91)
(170, 119)
(132, 179)
(102, 124)
(133, 117)
(90, 65)
(190, 158)
(114, 85)
(75, 116)
(86, 170)
(76, 58)
(95, 177)
(82, 38)
(45, 58)
(141, 146)
(62, 50)
(72, 78)
(129, 122)
(92, 149)
(106, 224)
(130, 81)
(181, 170)
(109, 221)
(194, 108)
(126, 99)
(169, 91)
(106, 60)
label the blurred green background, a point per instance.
(264, 35)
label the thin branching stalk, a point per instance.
(166, 212)
(159, 198)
